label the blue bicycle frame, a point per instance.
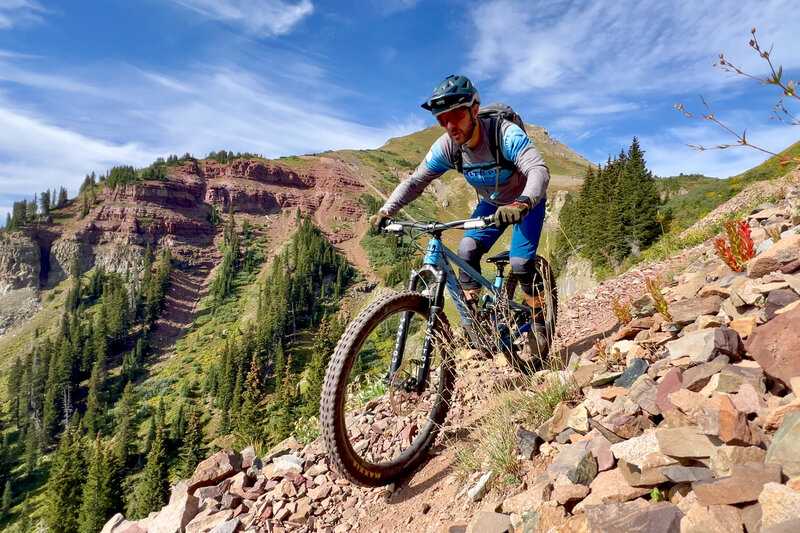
(437, 262)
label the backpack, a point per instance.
(497, 113)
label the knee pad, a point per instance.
(529, 278)
(471, 251)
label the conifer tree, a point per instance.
(8, 498)
(62, 197)
(640, 197)
(97, 504)
(152, 491)
(192, 451)
(324, 343)
(125, 422)
(94, 418)
(64, 487)
(32, 447)
(250, 423)
(283, 420)
(13, 388)
(179, 423)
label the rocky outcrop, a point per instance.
(175, 213)
(20, 262)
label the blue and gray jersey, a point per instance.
(530, 178)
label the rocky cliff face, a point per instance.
(175, 213)
(19, 262)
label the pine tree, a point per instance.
(324, 343)
(97, 505)
(13, 388)
(62, 197)
(32, 447)
(94, 418)
(64, 487)
(250, 422)
(641, 200)
(282, 423)
(152, 491)
(8, 498)
(125, 422)
(192, 451)
(179, 423)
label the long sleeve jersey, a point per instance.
(530, 178)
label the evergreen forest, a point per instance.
(86, 433)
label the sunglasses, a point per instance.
(454, 116)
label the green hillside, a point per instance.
(691, 197)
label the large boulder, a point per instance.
(776, 346)
(219, 466)
(180, 510)
(686, 311)
(785, 447)
(706, 344)
(784, 251)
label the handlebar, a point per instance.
(435, 227)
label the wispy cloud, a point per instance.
(624, 47)
(263, 18)
(668, 153)
(204, 108)
(20, 12)
(582, 65)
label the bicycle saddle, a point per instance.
(502, 257)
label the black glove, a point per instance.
(378, 219)
(510, 214)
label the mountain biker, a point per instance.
(515, 196)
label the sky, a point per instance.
(89, 84)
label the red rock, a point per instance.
(211, 471)
(776, 346)
(671, 382)
(744, 484)
(782, 252)
(734, 428)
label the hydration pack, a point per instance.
(497, 113)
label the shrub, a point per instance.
(738, 247)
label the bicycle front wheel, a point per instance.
(377, 425)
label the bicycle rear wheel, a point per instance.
(377, 426)
(529, 354)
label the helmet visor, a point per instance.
(437, 106)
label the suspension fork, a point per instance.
(437, 306)
(402, 330)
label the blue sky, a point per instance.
(86, 85)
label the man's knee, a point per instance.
(524, 270)
(471, 251)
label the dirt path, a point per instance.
(186, 289)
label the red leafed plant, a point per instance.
(738, 247)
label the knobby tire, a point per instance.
(333, 417)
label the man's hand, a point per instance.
(510, 214)
(377, 220)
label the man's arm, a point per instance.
(434, 165)
(517, 147)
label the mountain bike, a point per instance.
(389, 383)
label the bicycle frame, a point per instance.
(437, 262)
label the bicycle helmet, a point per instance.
(455, 91)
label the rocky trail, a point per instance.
(687, 419)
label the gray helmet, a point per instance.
(454, 91)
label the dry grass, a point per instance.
(530, 404)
